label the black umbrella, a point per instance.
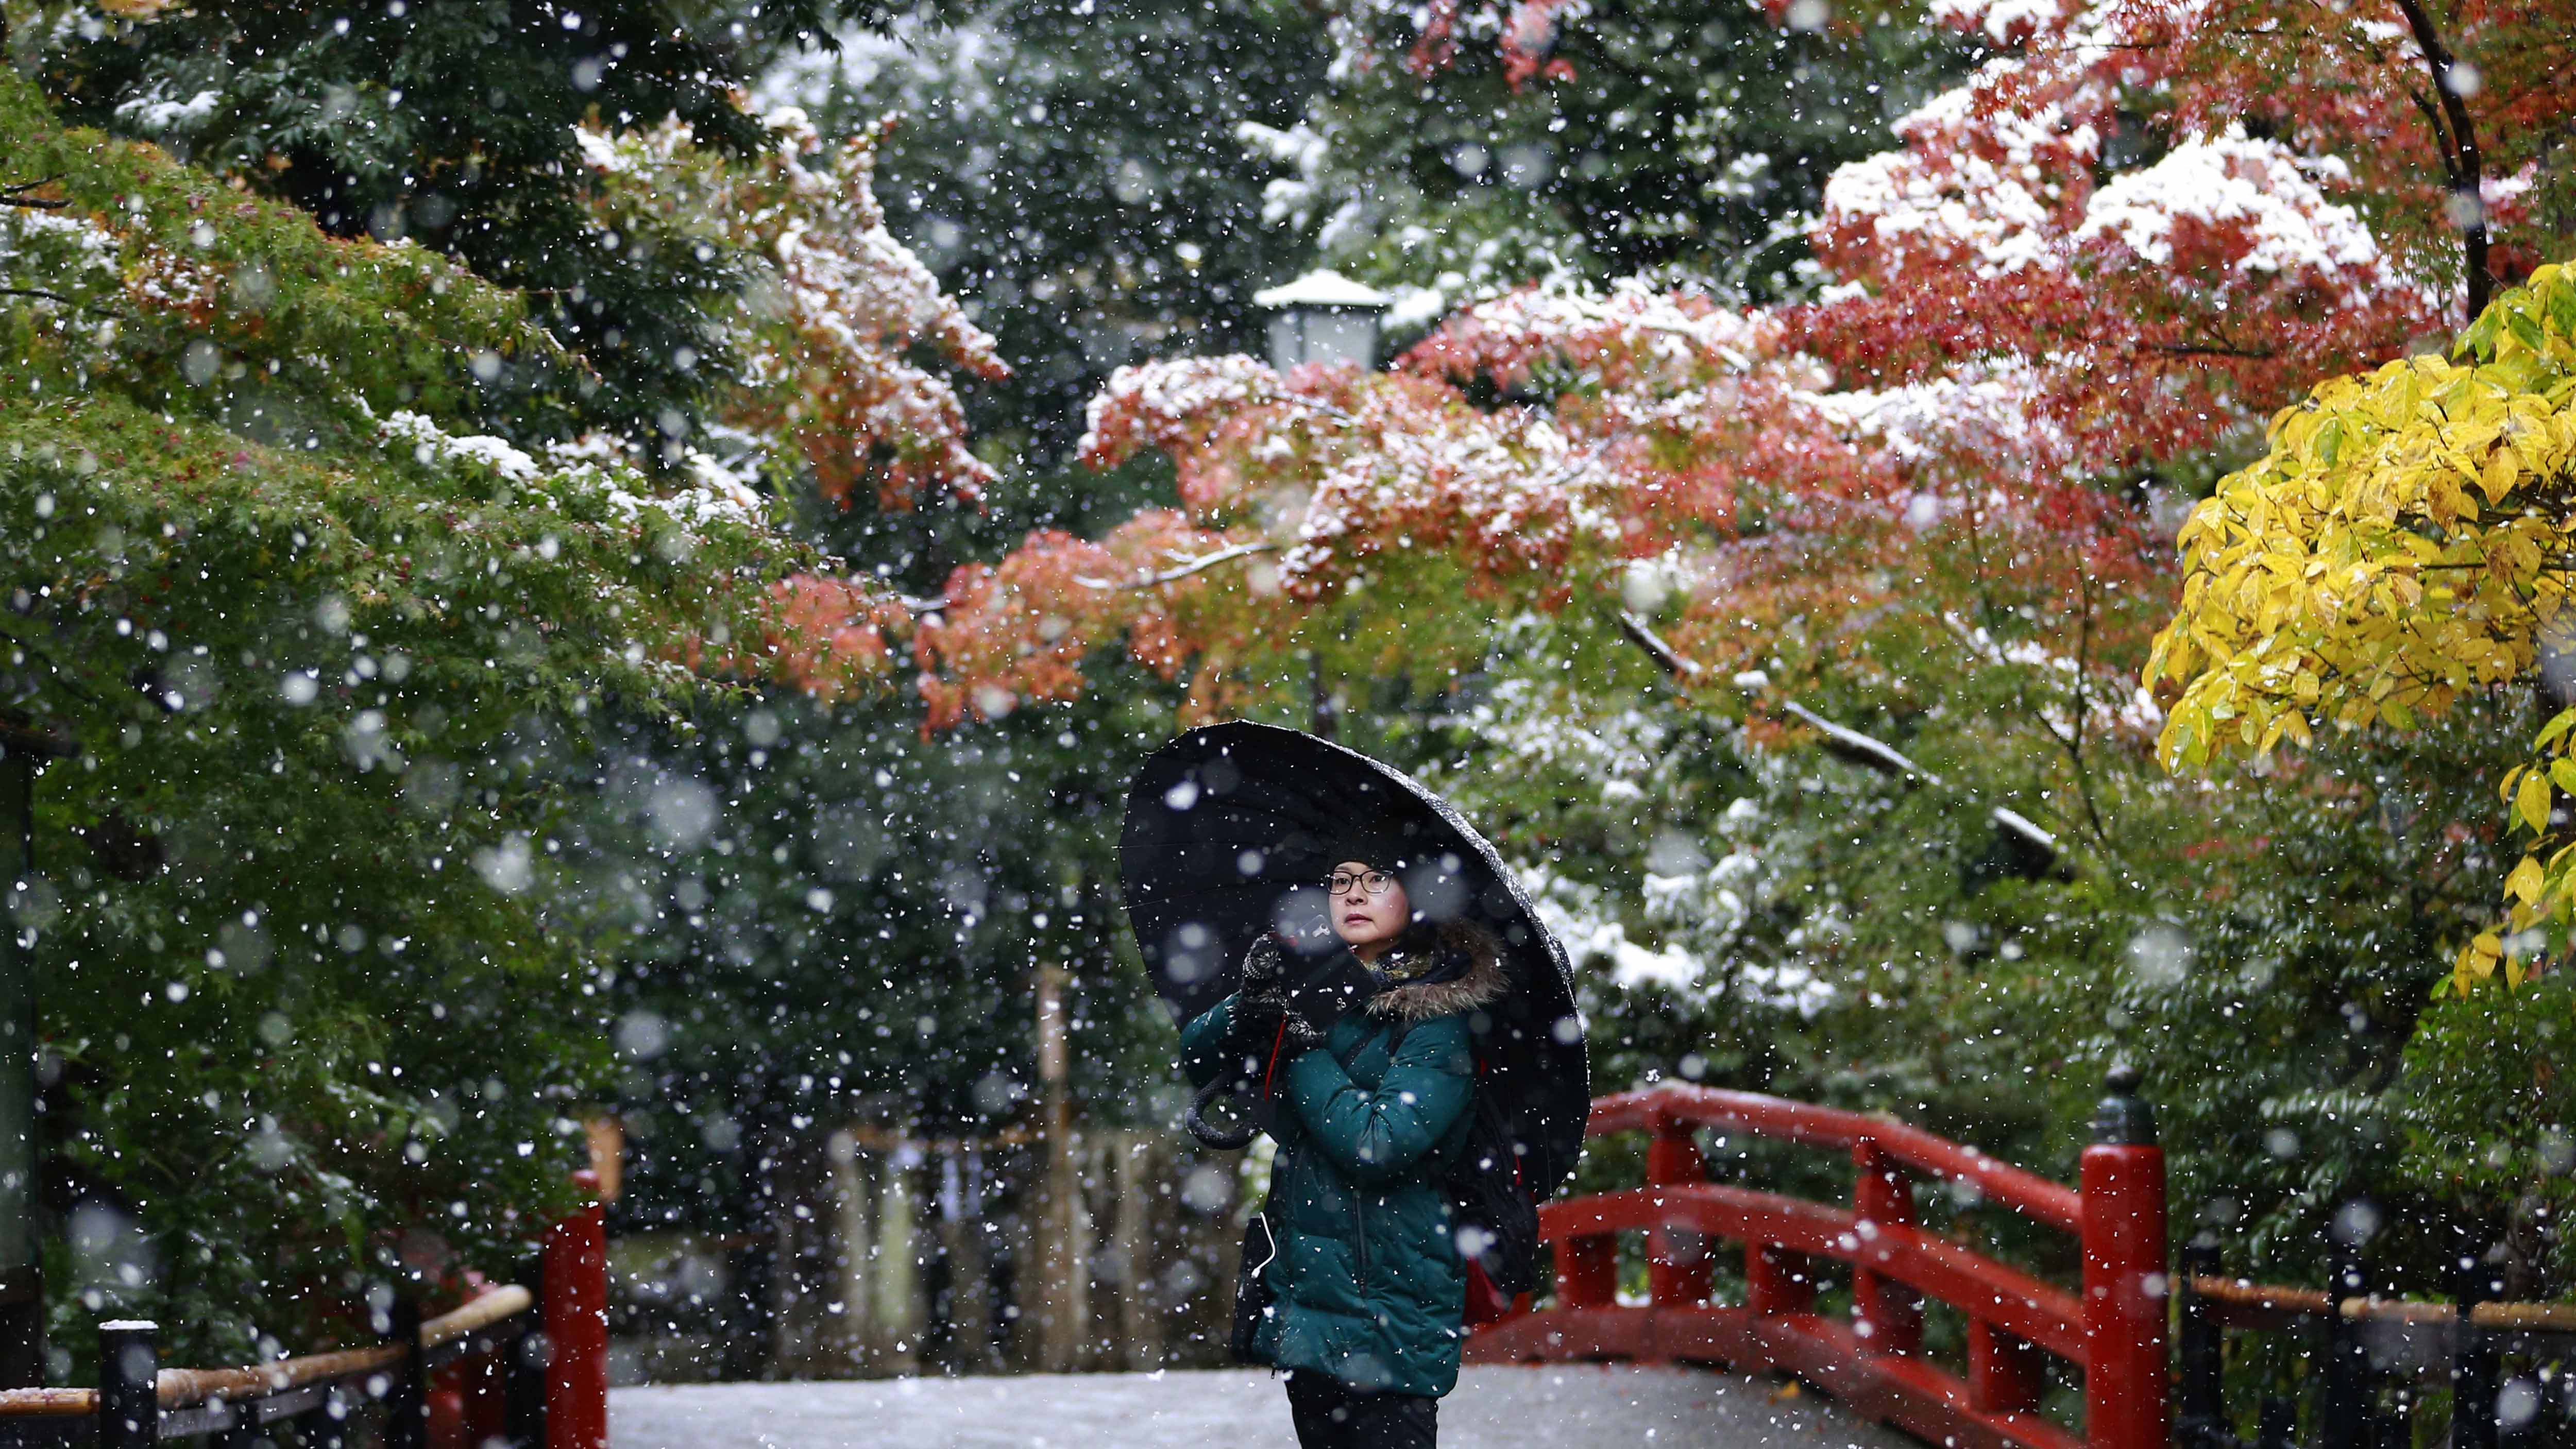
(1229, 834)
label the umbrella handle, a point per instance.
(1199, 1127)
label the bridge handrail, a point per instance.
(2028, 1193)
(179, 1388)
(2113, 1330)
(558, 1396)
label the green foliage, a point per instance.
(852, 933)
(2263, 950)
(322, 650)
(449, 122)
(2399, 548)
(2485, 1111)
(1678, 136)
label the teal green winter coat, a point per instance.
(1368, 1281)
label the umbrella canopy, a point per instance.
(1230, 831)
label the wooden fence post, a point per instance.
(2344, 1413)
(1142, 1317)
(1886, 1314)
(575, 1314)
(1062, 1228)
(129, 1377)
(406, 1388)
(2204, 1408)
(524, 1369)
(2127, 1398)
(2475, 1370)
(1677, 1266)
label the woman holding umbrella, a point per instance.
(1390, 974)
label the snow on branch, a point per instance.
(1845, 743)
(1183, 569)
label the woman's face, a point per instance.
(1369, 908)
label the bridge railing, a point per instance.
(514, 1366)
(2377, 1356)
(2112, 1331)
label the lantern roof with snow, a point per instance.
(1323, 289)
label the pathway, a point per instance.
(1575, 1406)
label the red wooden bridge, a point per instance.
(2112, 1330)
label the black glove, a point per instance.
(1299, 1033)
(1256, 1026)
(1265, 969)
(1318, 990)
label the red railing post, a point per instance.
(1777, 1280)
(465, 1404)
(486, 1401)
(2004, 1373)
(1587, 1272)
(575, 1317)
(1886, 1314)
(1677, 1266)
(2127, 1403)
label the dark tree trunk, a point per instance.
(2457, 137)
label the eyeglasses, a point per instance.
(1376, 882)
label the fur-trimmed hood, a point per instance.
(1481, 984)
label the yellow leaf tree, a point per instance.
(2409, 537)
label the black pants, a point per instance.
(1330, 1414)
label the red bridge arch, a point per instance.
(2113, 1331)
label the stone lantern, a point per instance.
(1323, 317)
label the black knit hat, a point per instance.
(1386, 842)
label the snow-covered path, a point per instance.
(1576, 1406)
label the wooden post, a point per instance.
(849, 1192)
(968, 1249)
(575, 1313)
(465, 1402)
(1140, 1309)
(1777, 1280)
(1063, 1227)
(2277, 1425)
(2204, 1409)
(897, 1264)
(2475, 1370)
(789, 1159)
(605, 1135)
(406, 1388)
(1677, 1266)
(2344, 1411)
(524, 1369)
(129, 1377)
(2127, 1400)
(23, 747)
(1886, 1314)
(443, 1406)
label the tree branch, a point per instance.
(16, 195)
(2209, 349)
(2083, 715)
(1182, 570)
(2461, 155)
(1655, 647)
(1845, 743)
(1318, 405)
